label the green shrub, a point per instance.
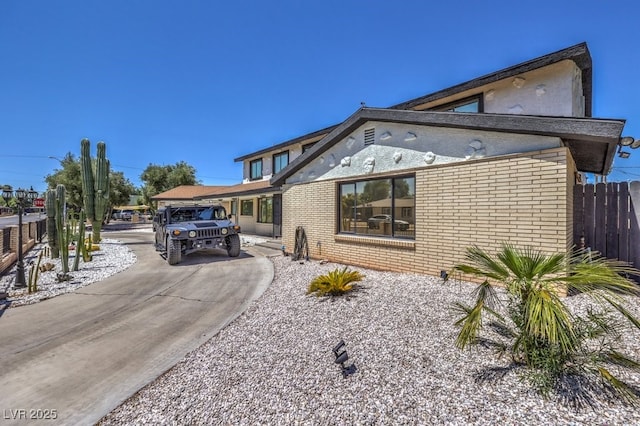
(544, 336)
(335, 283)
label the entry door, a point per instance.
(277, 215)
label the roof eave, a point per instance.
(580, 130)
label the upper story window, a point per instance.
(307, 147)
(255, 171)
(472, 104)
(280, 161)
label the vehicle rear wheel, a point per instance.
(233, 245)
(174, 255)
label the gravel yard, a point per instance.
(274, 364)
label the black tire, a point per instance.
(233, 245)
(174, 255)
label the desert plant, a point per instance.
(80, 246)
(335, 283)
(47, 267)
(52, 233)
(95, 185)
(34, 274)
(539, 332)
(63, 229)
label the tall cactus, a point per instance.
(64, 232)
(52, 230)
(80, 246)
(95, 185)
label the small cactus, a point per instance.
(34, 274)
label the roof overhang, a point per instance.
(578, 53)
(592, 142)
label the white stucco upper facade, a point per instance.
(398, 147)
(555, 90)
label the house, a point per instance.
(409, 187)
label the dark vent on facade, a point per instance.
(369, 136)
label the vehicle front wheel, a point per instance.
(174, 255)
(233, 245)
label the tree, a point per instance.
(557, 347)
(69, 176)
(121, 189)
(157, 179)
(119, 192)
(375, 190)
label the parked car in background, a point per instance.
(116, 215)
(374, 222)
(126, 214)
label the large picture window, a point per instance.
(246, 207)
(256, 169)
(265, 210)
(280, 161)
(379, 207)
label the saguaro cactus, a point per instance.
(52, 230)
(95, 185)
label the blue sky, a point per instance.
(206, 82)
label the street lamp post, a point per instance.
(22, 197)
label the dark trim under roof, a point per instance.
(592, 141)
(267, 190)
(286, 144)
(578, 53)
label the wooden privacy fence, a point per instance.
(606, 215)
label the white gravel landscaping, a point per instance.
(274, 365)
(111, 258)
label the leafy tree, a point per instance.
(69, 176)
(157, 179)
(556, 346)
(120, 188)
(401, 189)
(375, 190)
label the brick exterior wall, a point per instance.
(524, 199)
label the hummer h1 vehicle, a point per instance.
(182, 230)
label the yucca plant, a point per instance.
(543, 335)
(335, 283)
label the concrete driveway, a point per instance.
(78, 356)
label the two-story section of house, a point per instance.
(408, 187)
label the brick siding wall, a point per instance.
(523, 199)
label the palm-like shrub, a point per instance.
(335, 283)
(542, 333)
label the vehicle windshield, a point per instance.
(212, 213)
